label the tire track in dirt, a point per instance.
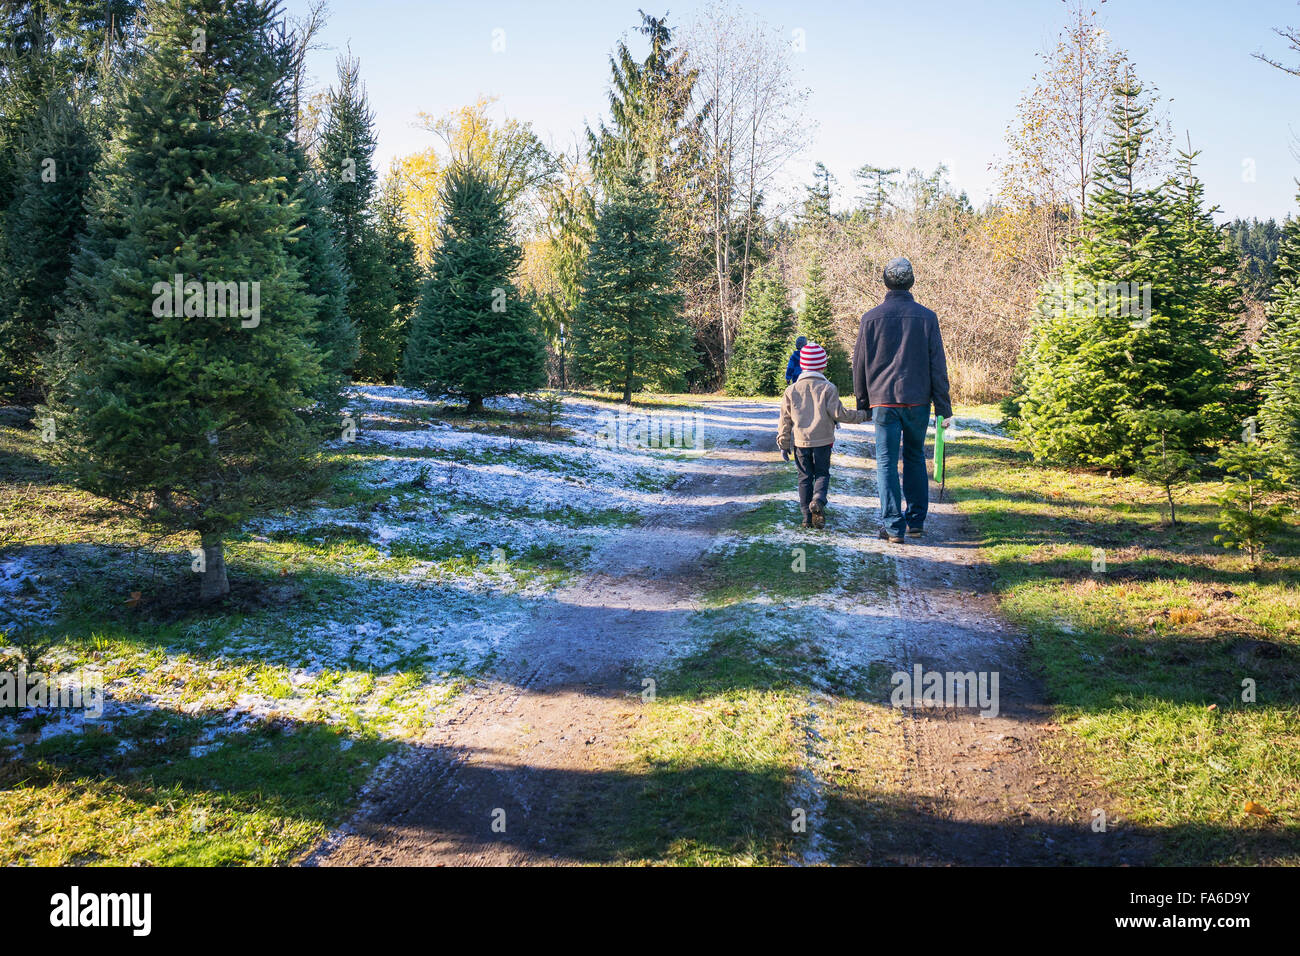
(988, 790)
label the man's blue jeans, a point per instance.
(905, 426)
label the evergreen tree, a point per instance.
(650, 107)
(817, 199)
(347, 147)
(473, 335)
(325, 280)
(1100, 360)
(877, 184)
(1164, 462)
(51, 49)
(1256, 243)
(1278, 358)
(765, 339)
(657, 131)
(569, 227)
(54, 67)
(399, 256)
(817, 323)
(190, 414)
(41, 228)
(1250, 512)
(628, 332)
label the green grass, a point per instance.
(258, 799)
(714, 761)
(649, 399)
(1145, 661)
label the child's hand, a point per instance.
(785, 454)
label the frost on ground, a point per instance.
(387, 595)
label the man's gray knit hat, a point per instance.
(898, 273)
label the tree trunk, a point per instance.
(1173, 518)
(475, 404)
(564, 378)
(215, 583)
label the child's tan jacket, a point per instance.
(809, 410)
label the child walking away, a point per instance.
(810, 409)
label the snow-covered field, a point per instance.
(417, 570)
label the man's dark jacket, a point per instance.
(899, 357)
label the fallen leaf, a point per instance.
(134, 599)
(1256, 809)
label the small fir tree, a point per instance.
(474, 334)
(628, 330)
(763, 344)
(817, 323)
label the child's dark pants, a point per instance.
(814, 465)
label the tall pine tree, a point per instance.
(657, 129)
(764, 341)
(347, 148)
(325, 280)
(400, 261)
(183, 408)
(628, 331)
(473, 335)
(55, 65)
(41, 229)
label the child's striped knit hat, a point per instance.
(812, 358)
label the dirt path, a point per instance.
(553, 713)
(550, 719)
(987, 790)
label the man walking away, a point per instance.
(899, 369)
(810, 409)
(792, 369)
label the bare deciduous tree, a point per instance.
(303, 36)
(755, 123)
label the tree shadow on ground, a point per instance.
(712, 813)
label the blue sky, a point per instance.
(962, 64)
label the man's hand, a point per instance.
(947, 422)
(785, 454)
(862, 405)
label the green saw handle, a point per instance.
(938, 449)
